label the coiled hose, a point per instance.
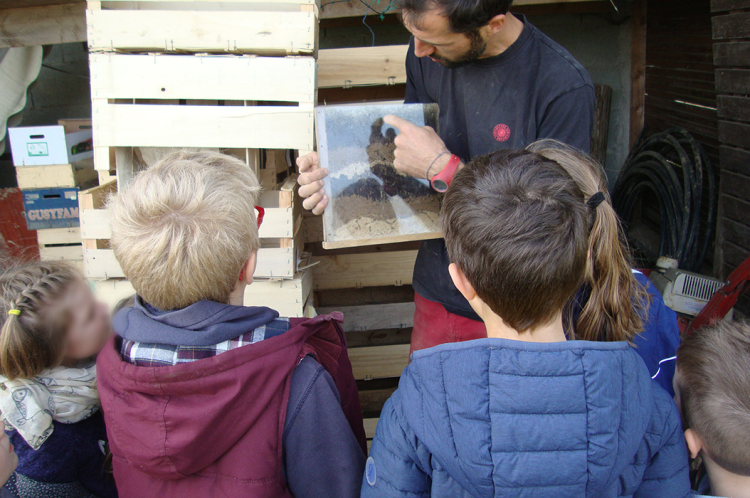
(676, 168)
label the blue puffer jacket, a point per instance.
(499, 418)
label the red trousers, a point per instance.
(434, 325)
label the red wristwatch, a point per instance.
(442, 180)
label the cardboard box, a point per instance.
(46, 145)
(51, 208)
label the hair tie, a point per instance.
(14, 312)
(595, 200)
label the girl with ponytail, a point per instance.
(52, 330)
(616, 303)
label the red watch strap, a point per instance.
(442, 180)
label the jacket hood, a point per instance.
(201, 324)
(528, 414)
(173, 421)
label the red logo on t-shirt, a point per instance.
(501, 132)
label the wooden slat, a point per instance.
(379, 361)
(736, 185)
(202, 31)
(367, 295)
(637, 70)
(210, 77)
(372, 400)
(734, 134)
(600, 135)
(272, 263)
(377, 93)
(732, 107)
(723, 5)
(52, 176)
(735, 160)
(731, 26)
(732, 54)
(735, 209)
(288, 297)
(370, 425)
(271, 127)
(216, 4)
(364, 270)
(376, 316)
(346, 67)
(53, 236)
(31, 26)
(733, 81)
(61, 253)
(737, 233)
(383, 337)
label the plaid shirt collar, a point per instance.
(162, 355)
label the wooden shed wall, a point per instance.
(731, 33)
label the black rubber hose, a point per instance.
(676, 168)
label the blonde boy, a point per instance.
(203, 396)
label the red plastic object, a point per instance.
(16, 239)
(724, 299)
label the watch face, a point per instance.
(439, 185)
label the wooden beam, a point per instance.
(273, 127)
(205, 77)
(364, 270)
(31, 26)
(52, 236)
(638, 71)
(379, 361)
(347, 67)
(600, 136)
(375, 316)
(269, 33)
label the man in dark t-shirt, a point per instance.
(500, 83)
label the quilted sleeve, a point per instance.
(396, 463)
(667, 475)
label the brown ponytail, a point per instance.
(617, 303)
(34, 324)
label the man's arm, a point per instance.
(321, 454)
(570, 118)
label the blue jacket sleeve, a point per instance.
(668, 472)
(570, 118)
(397, 461)
(321, 454)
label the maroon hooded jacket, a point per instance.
(213, 427)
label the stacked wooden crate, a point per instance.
(236, 76)
(60, 243)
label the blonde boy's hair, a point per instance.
(184, 228)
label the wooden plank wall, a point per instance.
(680, 71)
(679, 86)
(731, 53)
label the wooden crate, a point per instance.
(199, 101)
(57, 175)
(269, 27)
(61, 244)
(362, 66)
(280, 233)
(288, 297)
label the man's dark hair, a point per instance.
(516, 224)
(463, 16)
